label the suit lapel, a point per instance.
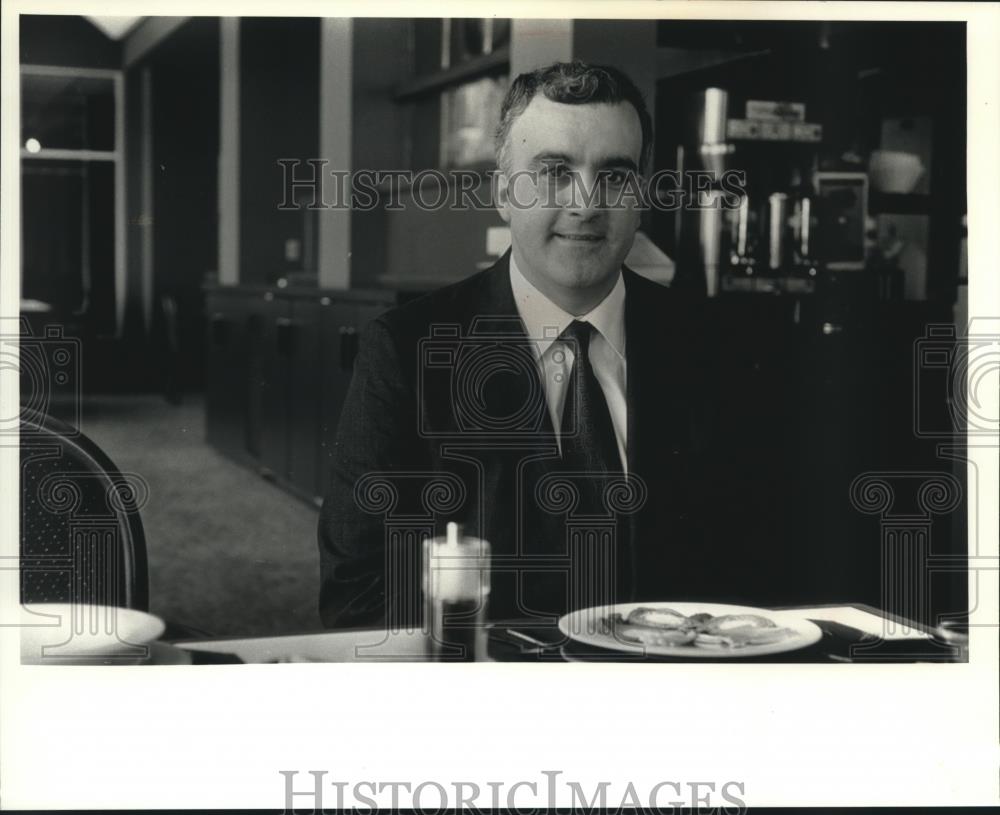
(496, 321)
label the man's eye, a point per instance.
(556, 171)
(615, 177)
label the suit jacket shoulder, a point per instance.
(455, 303)
(484, 295)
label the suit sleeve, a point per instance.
(377, 433)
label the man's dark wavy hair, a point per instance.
(572, 83)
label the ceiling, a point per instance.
(114, 27)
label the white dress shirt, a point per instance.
(544, 321)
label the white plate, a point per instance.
(584, 626)
(55, 633)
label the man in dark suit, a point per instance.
(551, 404)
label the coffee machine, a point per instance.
(769, 221)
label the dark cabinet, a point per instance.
(278, 369)
(227, 373)
(270, 385)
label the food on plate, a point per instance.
(659, 617)
(640, 634)
(728, 622)
(666, 627)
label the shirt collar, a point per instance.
(545, 321)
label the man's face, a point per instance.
(571, 250)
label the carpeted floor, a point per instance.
(229, 552)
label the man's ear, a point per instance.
(501, 195)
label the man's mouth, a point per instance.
(580, 237)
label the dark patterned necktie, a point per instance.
(588, 435)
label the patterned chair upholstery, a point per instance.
(81, 534)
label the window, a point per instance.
(64, 111)
(72, 205)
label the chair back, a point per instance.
(81, 533)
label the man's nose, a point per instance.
(583, 196)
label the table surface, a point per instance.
(852, 633)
